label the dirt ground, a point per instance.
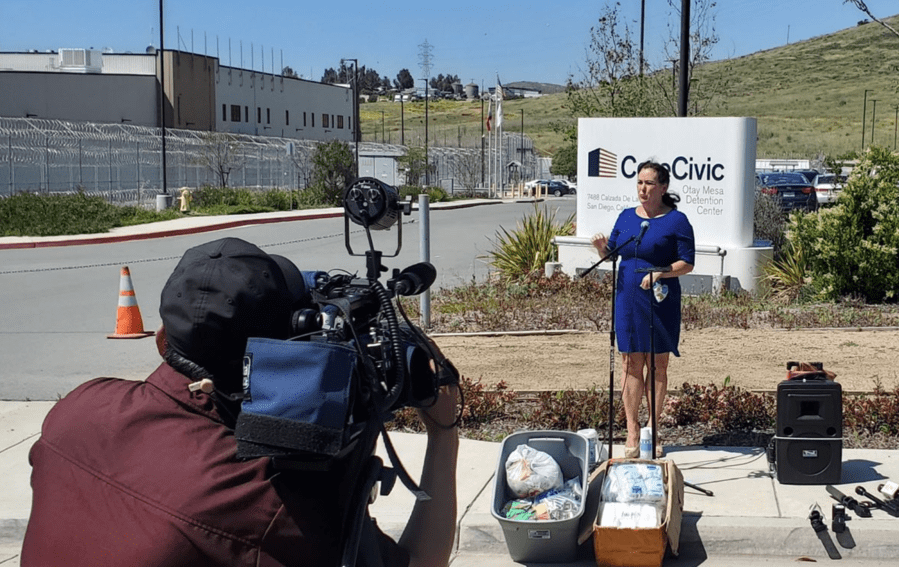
(754, 359)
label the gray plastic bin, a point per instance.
(542, 541)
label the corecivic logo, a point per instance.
(603, 163)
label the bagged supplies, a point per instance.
(530, 472)
(554, 504)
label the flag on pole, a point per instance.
(489, 112)
(499, 103)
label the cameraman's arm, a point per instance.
(431, 530)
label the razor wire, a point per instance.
(123, 162)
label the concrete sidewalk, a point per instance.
(202, 223)
(750, 514)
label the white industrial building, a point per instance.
(84, 85)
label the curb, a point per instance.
(79, 240)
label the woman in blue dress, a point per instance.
(667, 243)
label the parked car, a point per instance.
(809, 174)
(794, 190)
(828, 187)
(559, 188)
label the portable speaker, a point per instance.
(809, 438)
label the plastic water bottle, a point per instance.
(646, 443)
(591, 436)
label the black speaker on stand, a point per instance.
(808, 444)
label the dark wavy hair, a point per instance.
(663, 175)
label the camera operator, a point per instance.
(146, 473)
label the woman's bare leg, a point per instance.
(633, 387)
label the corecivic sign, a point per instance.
(712, 166)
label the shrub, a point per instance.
(724, 409)
(529, 247)
(853, 247)
(35, 214)
(877, 413)
(575, 409)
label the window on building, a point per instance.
(224, 113)
(325, 121)
(340, 122)
(313, 119)
(258, 115)
(246, 114)
(268, 115)
(235, 113)
(287, 118)
(304, 120)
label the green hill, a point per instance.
(808, 98)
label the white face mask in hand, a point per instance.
(660, 291)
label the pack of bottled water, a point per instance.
(633, 496)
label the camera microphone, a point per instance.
(644, 226)
(415, 279)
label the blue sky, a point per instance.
(525, 40)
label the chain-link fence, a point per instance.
(123, 163)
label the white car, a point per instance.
(828, 187)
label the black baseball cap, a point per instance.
(222, 293)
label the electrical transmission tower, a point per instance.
(424, 60)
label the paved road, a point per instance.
(60, 303)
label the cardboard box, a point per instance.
(635, 547)
(542, 541)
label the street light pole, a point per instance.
(427, 163)
(355, 108)
(165, 190)
(865, 116)
(895, 125)
(382, 126)
(873, 116)
(684, 95)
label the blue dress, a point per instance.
(669, 238)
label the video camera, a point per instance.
(352, 359)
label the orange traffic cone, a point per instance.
(129, 324)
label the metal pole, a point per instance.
(873, 116)
(642, 27)
(424, 216)
(402, 121)
(895, 126)
(165, 189)
(864, 117)
(684, 94)
(427, 164)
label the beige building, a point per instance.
(83, 85)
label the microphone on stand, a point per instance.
(644, 226)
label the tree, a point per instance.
(565, 161)
(413, 166)
(221, 154)
(444, 83)
(332, 169)
(404, 80)
(289, 72)
(616, 85)
(612, 85)
(864, 8)
(467, 169)
(704, 94)
(852, 249)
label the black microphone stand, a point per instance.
(613, 254)
(652, 363)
